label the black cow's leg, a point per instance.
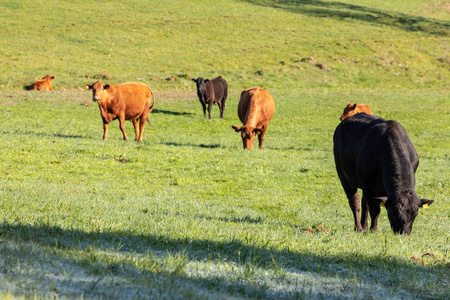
(353, 201)
(364, 210)
(209, 108)
(204, 108)
(374, 209)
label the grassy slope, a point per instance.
(188, 213)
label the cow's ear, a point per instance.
(380, 200)
(257, 131)
(88, 86)
(53, 77)
(354, 106)
(194, 80)
(236, 128)
(206, 80)
(106, 86)
(425, 202)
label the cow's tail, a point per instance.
(151, 107)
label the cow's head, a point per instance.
(349, 111)
(200, 82)
(247, 134)
(48, 78)
(99, 90)
(403, 209)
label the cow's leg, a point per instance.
(220, 109)
(353, 201)
(136, 129)
(224, 99)
(364, 210)
(261, 137)
(105, 130)
(142, 126)
(204, 108)
(122, 126)
(209, 108)
(374, 209)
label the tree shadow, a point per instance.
(168, 112)
(338, 10)
(242, 253)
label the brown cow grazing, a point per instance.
(255, 110)
(44, 84)
(126, 101)
(351, 110)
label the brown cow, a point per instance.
(255, 110)
(125, 101)
(44, 84)
(351, 110)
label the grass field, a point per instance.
(188, 214)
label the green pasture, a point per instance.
(188, 214)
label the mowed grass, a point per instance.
(189, 214)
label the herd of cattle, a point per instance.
(370, 153)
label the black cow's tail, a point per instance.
(151, 107)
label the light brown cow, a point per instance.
(44, 84)
(125, 101)
(351, 110)
(255, 110)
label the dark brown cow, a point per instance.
(126, 101)
(352, 109)
(255, 110)
(44, 84)
(212, 91)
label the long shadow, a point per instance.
(242, 253)
(338, 10)
(168, 112)
(191, 145)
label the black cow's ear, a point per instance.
(194, 80)
(380, 200)
(106, 86)
(425, 202)
(206, 80)
(88, 86)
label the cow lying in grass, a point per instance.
(378, 157)
(44, 84)
(126, 101)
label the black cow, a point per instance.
(212, 91)
(378, 157)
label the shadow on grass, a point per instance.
(168, 112)
(191, 145)
(339, 10)
(371, 272)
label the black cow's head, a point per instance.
(98, 90)
(403, 209)
(200, 82)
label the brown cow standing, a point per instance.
(255, 110)
(126, 101)
(351, 110)
(44, 84)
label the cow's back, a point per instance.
(371, 152)
(256, 105)
(220, 87)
